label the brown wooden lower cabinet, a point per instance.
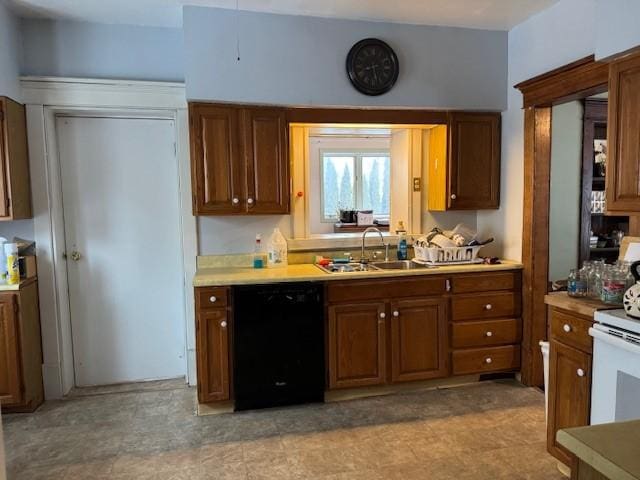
(386, 331)
(357, 345)
(21, 387)
(418, 339)
(569, 394)
(212, 329)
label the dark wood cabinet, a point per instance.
(239, 160)
(21, 388)
(474, 161)
(10, 383)
(418, 339)
(623, 157)
(570, 394)
(464, 163)
(15, 185)
(266, 146)
(213, 355)
(357, 345)
(570, 358)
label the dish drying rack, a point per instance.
(447, 255)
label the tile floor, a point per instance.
(490, 430)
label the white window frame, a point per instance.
(357, 155)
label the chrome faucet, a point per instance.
(364, 259)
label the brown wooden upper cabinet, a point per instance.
(15, 190)
(623, 162)
(464, 163)
(239, 160)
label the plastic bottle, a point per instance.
(3, 261)
(258, 260)
(402, 241)
(13, 270)
(277, 250)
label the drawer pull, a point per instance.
(580, 372)
(235, 200)
(566, 327)
(489, 334)
(213, 299)
(383, 315)
(396, 313)
(453, 196)
(223, 324)
(250, 201)
(488, 306)
(488, 360)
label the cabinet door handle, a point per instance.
(488, 360)
(383, 315)
(447, 285)
(566, 327)
(453, 196)
(250, 201)
(488, 306)
(235, 200)
(223, 324)
(213, 299)
(489, 334)
(580, 372)
(396, 313)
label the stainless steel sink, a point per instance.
(348, 267)
(400, 265)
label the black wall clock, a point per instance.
(372, 66)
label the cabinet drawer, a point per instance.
(484, 282)
(482, 360)
(469, 307)
(571, 330)
(211, 297)
(485, 333)
(382, 289)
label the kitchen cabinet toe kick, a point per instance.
(385, 334)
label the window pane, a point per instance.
(338, 184)
(376, 180)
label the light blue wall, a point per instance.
(80, 49)
(299, 60)
(618, 28)
(10, 48)
(557, 36)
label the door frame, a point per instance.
(574, 81)
(46, 98)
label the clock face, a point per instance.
(372, 66)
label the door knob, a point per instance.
(223, 324)
(383, 315)
(250, 201)
(235, 200)
(453, 196)
(75, 256)
(580, 372)
(488, 360)
(396, 313)
(488, 306)
(489, 334)
(566, 327)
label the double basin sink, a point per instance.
(373, 266)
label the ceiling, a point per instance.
(482, 14)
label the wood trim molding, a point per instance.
(366, 115)
(578, 79)
(535, 239)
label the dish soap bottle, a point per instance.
(277, 250)
(258, 260)
(402, 241)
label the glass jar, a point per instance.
(576, 284)
(595, 279)
(614, 284)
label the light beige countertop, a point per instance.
(582, 306)
(306, 272)
(14, 288)
(613, 449)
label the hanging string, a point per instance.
(238, 29)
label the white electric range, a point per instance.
(615, 390)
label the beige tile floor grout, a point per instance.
(488, 430)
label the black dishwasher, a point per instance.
(278, 345)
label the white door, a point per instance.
(122, 234)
